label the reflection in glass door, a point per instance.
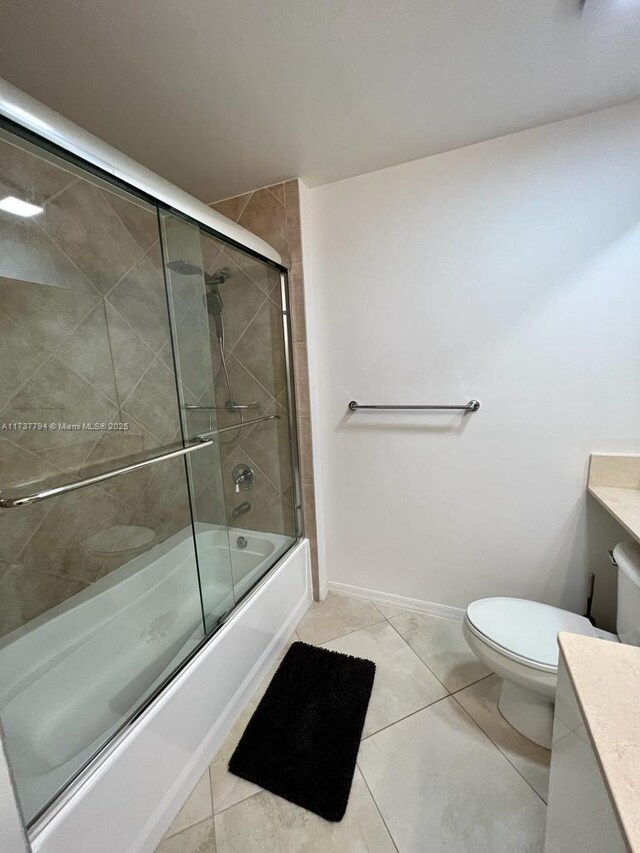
(99, 594)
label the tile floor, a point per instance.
(438, 769)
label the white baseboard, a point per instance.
(443, 610)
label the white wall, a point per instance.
(507, 271)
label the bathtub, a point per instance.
(56, 716)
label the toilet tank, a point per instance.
(627, 557)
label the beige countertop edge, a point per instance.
(622, 503)
(606, 680)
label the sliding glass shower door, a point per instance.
(94, 613)
(187, 303)
(146, 453)
(228, 311)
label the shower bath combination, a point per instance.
(141, 557)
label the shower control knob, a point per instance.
(243, 477)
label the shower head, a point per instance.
(219, 276)
(214, 300)
(185, 267)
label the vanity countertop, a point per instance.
(606, 681)
(614, 481)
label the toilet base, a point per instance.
(530, 713)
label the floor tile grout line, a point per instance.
(190, 827)
(210, 775)
(373, 624)
(243, 800)
(404, 640)
(419, 657)
(495, 745)
(375, 802)
(470, 684)
(450, 692)
(406, 717)
(448, 695)
(341, 636)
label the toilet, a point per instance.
(517, 639)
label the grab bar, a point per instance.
(471, 406)
(204, 441)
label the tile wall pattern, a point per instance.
(254, 353)
(85, 338)
(273, 213)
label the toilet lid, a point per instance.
(526, 629)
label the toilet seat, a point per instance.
(524, 631)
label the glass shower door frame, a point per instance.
(94, 763)
(291, 402)
(291, 413)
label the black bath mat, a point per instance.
(303, 739)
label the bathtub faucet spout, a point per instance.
(245, 506)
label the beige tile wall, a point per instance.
(255, 362)
(273, 213)
(84, 337)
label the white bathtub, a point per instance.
(228, 571)
(119, 640)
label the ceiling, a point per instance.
(223, 96)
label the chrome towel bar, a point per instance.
(471, 406)
(204, 441)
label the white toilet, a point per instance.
(517, 639)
